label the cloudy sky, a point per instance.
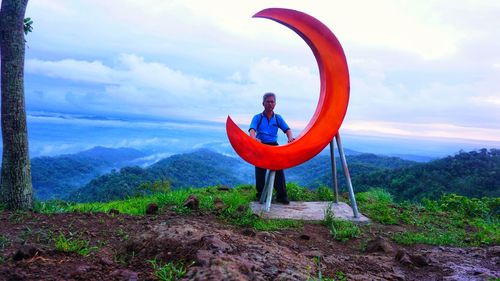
(419, 69)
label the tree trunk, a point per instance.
(16, 186)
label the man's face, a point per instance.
(269, 103)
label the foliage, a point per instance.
(451, 220)
(325, 193)
(296, 192)
(341, 230)
(73, 245)
(317, 171)
(56, 177)
(28, 25)
(4, 241)
(201, 168)
(471, 174)
(169, 271)
(377, 204)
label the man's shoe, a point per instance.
(283, 201)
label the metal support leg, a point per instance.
(347, 176)
(334, 171)
(267, 193)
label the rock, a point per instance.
(113, 212)
(192, 202)
(265, 236)
(152, 209)
(25, 252)
(380, 244)
(420, 260)
(403, 258)
(106, 261)
(219, 205)
(215, 243)
(248, 232)
(83, 268)
(241, 209)
(125, 274)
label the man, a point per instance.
(264, 128)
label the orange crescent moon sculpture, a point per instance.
(332, 104)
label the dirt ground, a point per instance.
(121, 245)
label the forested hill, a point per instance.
(472, 174)
(56, 177)
(200, 168)
(318, 171)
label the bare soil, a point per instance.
(213, 250)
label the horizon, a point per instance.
(423, 75)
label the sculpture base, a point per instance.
(310, 211)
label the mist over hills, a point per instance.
(103, 174)
(55, 177)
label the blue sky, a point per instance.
(421, 70)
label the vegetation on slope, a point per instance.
(471, 174)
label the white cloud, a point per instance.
(411, 61)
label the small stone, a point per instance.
(248, 232)
(219, 205)
(192, 202)
(380, 244)
(25, 252)
(420, 260)
(152, 209)
(403, 258)
(241, 209)
(106, 261)
(83, 268)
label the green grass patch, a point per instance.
(452, 220)
(378, 205)
(4, 242)
(340, 230)
(168, 271)
(73, 245)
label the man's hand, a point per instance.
(253, 135)
(290, 140)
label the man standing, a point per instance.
(264, 128)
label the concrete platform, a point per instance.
(311, 211)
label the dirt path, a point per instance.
(121, 245)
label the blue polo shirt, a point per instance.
(267, 130)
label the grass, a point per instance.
(4, 242)
(168, 271)
(451, 220)
(340, 230)
(73, 245)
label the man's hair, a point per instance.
(266, 95)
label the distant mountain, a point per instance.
(204, 167)
(56, 177)
(472, 174)
(200, 168)
(416, 158)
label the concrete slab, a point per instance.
(314, 211)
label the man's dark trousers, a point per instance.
(279, 180)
